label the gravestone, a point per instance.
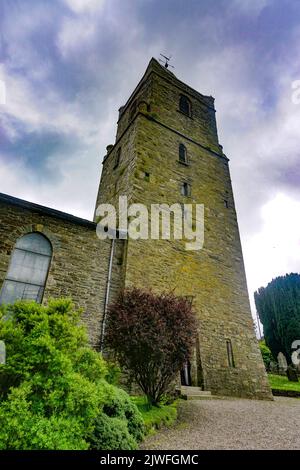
(273, 367)
(282, 363)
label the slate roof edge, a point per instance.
(7, 199)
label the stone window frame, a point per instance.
(29, 228)
(181, 109)
(21, 249)
(230, 355)
(186, 160)
(186, 189)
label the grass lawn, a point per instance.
(156, 417)
(281, 382)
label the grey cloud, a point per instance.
(86, 64)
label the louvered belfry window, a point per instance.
(28, 269)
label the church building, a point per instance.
(166, 151)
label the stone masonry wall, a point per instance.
(215, 275)
(117, 181)
(79, 264)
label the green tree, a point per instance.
(278, 306)
(53, 386)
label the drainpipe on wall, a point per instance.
(112, 248)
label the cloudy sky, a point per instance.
(69, 64)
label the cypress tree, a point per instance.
(278, 307)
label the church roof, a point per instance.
(14, 201)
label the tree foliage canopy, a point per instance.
(278, 306)
(152, 336)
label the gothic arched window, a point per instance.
(182, 153)
(185, 105)
(28, 269)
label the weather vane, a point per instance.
(166, 61)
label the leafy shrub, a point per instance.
(52, 387)
(111, 433)
(113, 373)
(119, 405)
(23, 429)
(266, 354)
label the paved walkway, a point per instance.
(232, 424)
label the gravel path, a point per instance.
(232, 424)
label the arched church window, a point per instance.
(182, 153)
(28, 269)
(185, 105)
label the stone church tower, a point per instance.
(167, 151)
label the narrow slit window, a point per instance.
(182, 153)
(186, 189)
(230, 353)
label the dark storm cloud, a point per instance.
(69, 65)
